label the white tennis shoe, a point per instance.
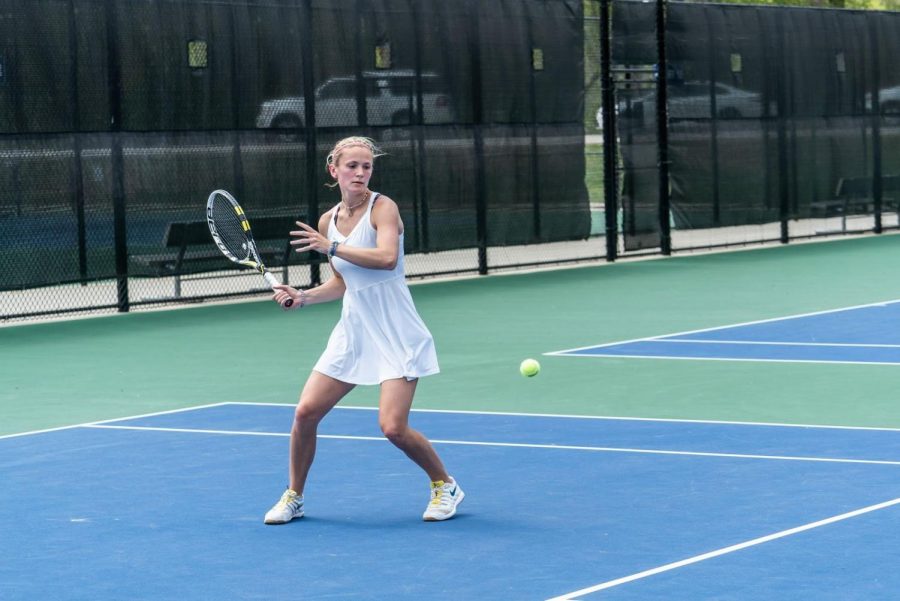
(287, 508)
(445, 497)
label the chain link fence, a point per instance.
(119, 117)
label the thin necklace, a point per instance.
(363, 201)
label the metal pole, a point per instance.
(714, 122)
(420, 206)
(535, 163)
(120, 231)
(610, 147)
(237, 158)
(662, 129)
(362, 113)
(309, 123)
(781, 95)
(877, 171)
(478, 135)
(76, 149)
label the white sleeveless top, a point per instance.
(380, 335)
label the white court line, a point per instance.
(108, 421)
(734, 325)
(597, 417)
(467, 412)
(573, 596)
(743, 360)
(515, 445)
(829, 344)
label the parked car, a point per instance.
(690, 100)
(390, 100)
(888, 99)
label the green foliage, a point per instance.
(854, 4)
(592, 7)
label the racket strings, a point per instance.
(232, 228)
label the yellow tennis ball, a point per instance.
(529, 368)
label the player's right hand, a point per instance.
(283, 293)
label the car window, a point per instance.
(402, 86)
(338, 89)
(374, 87)
(433, 85)
(695, 90)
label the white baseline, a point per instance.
(573, 596)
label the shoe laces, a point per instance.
(440, 494)
(292, 501)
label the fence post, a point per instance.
(309, 124)
(478, 133)
(877, 169)
(662, 129)
(714, 123)
(420, 204)
(76, 146)
(533, 126)
(610, 144)
(117, 163)
(237, 152)
(782, 103)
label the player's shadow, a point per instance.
(391, 523)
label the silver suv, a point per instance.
(390, 100)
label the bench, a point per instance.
(854, 196)
(270, 233)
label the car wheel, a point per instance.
(729, 112)
(401, 118)
(287, 122)
(890, 108)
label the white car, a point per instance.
(888, 99)
(690, 100)
(390, 100)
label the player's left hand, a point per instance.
(308, 239)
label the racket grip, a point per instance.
(273, 281)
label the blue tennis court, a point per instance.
(852, 335)
(170, 505)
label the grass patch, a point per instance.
(593, 178)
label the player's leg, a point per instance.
(320, 394)
(393, 417)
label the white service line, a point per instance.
(519, 445)
(599, 417)
(767, 343)
(735, 359)
(117, 419)
(470, 412)
(725, 327)
(573, 596)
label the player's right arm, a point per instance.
(331, 290)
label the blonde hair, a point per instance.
(342, 145)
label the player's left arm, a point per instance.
(388, 226)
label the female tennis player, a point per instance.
(380, 338)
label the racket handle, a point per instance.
(273, 281)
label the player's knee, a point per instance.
(306, 413)
(395, 432)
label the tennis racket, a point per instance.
(231, 231)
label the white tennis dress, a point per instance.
(380, 335)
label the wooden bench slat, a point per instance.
(181, 235)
